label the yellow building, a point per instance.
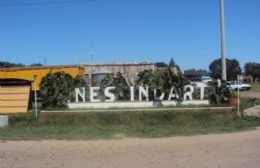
(28, 73)
(14, 95)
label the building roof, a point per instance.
(14, 82)
(38, 67)
(118, 64)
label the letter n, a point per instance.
(81, 93)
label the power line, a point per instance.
(48, 2)
(92, 51)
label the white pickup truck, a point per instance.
(234, 85)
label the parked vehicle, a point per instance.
(205, 79)
(234, 85)
(197, 85)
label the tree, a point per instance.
(176, 80)
(161, 64)
(172, 64)
(163, 81)
(252, 69)
(195, 73)
(121, 91)
(218, 94)
(121, 87)
(79, 81)
(36, 64)
(55, 89)
(153, 80)
(4, 64)
(233, 69)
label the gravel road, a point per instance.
(250, 94)
(229, 150)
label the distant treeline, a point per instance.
(5, 64)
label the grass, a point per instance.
(246, 102)
(255, 87)
(105, 125)
(128, 108)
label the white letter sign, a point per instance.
(144, 92)
(79, 93)
(189, 93)
(93, 94)
(109, 94)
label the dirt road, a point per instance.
(231, 150)
(250, 94)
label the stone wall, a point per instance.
(128, 70)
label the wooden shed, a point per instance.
(14, 95)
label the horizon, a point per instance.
(100, 63)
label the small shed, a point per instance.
(14, 95)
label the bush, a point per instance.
(56, 89)
(122, 91)
(218, 94)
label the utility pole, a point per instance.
(222, 27)
(35, 96)
(45, 62)
(92, 52)
(238, 99)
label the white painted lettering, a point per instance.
(80, 92)
(188, 94)
(144, 92)
(109, 94)
(161, 97)
(93, 94)
(202, 87)
(173, 94)
(132, 93)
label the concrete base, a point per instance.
(134, 104)
(3, 121)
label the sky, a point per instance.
(127, 31)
